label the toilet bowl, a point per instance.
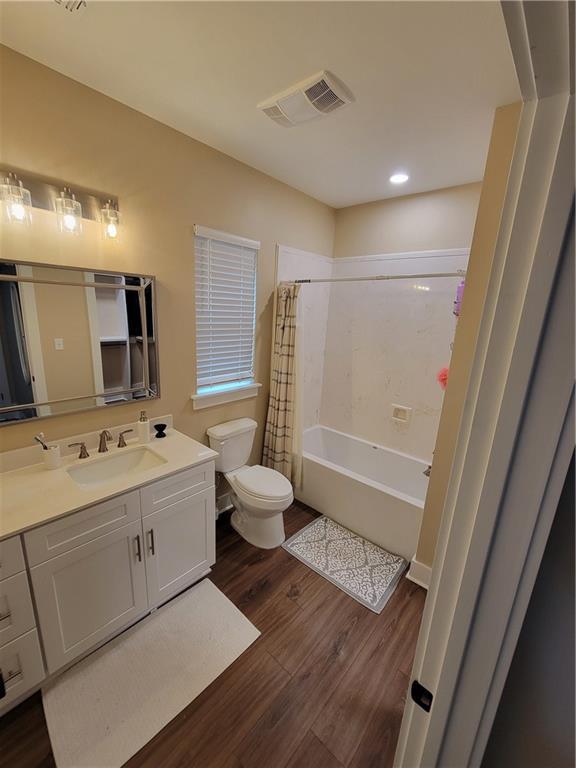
(260, 495)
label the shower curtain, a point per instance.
(282, 436)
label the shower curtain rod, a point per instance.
(458, 273)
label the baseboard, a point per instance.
(419, 574)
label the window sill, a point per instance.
(209, 399)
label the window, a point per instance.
(225, 316)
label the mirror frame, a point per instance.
(147, 281)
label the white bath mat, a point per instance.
(103, 710)
(363, 570)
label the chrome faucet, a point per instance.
(105, 438)
(121, 440)
(83, 452)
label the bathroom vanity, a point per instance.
(85, 552)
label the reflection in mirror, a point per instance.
(73, 339)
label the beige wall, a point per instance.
(63, 314)
(500, 152)
(428, 221)
(165, 182)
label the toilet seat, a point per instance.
(263, 483)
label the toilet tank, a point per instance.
(233, 440)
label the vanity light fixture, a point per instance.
(69, 212)
(71, 5)
(110, 220)
(399, 178)
(16, 200)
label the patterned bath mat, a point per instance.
(363, 570)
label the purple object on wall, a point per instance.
(459, 295)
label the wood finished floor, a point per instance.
(323, 687)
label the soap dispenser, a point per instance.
(143, 428)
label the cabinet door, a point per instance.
(180, 545)
(88, 594)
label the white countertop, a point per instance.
(33, 495)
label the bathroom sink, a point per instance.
(127, 461)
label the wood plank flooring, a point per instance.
(323, 687)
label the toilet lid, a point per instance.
(265, 483)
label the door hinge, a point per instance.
(421, 695)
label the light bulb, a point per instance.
(110, 220)
(17, 211)
(69, 222)
(69, 212)
(399, 178)
(16, 200)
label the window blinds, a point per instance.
(225, 308)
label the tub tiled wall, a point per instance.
(369, 345)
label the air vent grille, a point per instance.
(278, 116)
(317, 90)
(327, 102)
(323, 97)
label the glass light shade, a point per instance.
(16, 201)
(110, 222)
(69, 213)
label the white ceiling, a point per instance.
(426, 77)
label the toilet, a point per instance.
(260, 495)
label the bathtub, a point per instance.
(372, 490)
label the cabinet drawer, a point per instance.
(62, 535)
(16, 612)
(21, 667)
(11, 557)
(172, 489)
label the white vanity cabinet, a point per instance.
(99, 570)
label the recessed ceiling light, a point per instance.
(399, 178)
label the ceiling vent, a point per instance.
(311, 98)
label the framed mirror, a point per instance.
(73, 339)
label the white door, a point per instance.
(516, 435)
(89, 593)
(180, 545)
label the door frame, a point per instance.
(517, 436)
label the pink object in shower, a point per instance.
(442, 377)
(458, 300)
